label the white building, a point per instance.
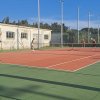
(20, 37)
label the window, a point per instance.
(46, 37)
(24, 35)
(10, 34)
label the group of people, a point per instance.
(93, 42)
(83, 42)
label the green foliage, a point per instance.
(23, 22)
(6, 20)
(70, 35)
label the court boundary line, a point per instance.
(86, 66)
(70, 61)
(37, 67)
(51, 68)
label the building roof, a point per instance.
(11, 25)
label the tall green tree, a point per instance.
(6, 20)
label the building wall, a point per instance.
(18, 42)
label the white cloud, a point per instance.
(82, 24)
(70, 23)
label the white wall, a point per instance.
(22, 43)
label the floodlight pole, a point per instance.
(62, 1)
(0, 39)
(88, 27)
(38, 22)
(18, 37)
(98, 33)
(78, 23)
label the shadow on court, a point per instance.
(53, 82)
(96, 75)
(13, 93)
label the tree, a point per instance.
(14, 22)
(35, 25)
(55, 27)
(24, 22)
(6, 20)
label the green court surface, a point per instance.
(22, 83)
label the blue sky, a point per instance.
(51, 11)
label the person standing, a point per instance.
(32, 44)
(93, 42)
(83, 42)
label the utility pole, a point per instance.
(78, 23)
(98, 34)
(88, 27)
(0, 39)
(62, 1)
(38, 22)
(18, 37)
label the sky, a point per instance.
(50, 11)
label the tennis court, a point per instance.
(55, 74)
(66, 59)
(26, 83)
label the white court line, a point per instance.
(70, 61)
(37, 67)
(51, 68)
(27, 66)
(86, 66)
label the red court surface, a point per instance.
(66, 60)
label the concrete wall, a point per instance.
(18, 42)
